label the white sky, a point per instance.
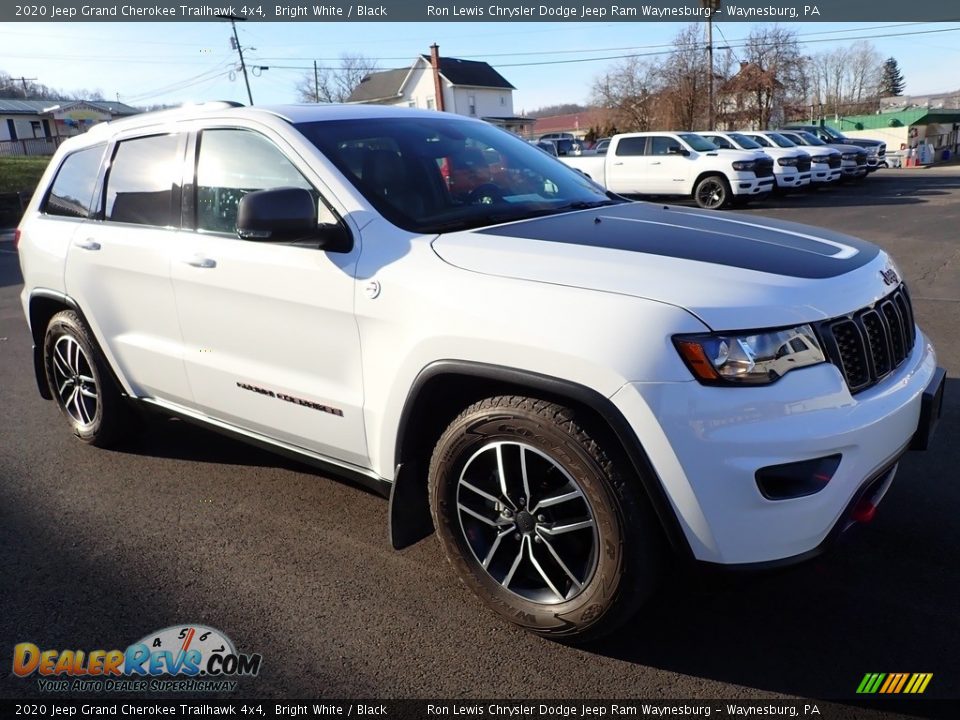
(152, 63)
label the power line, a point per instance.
(607, 49)
(742, 43)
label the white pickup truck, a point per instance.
(677, 163)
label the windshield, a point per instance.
(833, 133)
(698, 143)
(781, 140)
(744, 142)
(809, 138)
(442, 174)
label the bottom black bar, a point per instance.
(866, 708)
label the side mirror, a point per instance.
(677, 150)
(287, 215)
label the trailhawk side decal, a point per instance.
(290, 399)
(770, 246)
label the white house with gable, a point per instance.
(464, 87)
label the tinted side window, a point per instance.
(231, 163)
(142, 180)
(631, 146)
(721, 142)
(661, 145)
(72, 191)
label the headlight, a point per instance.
(787, 162)
(821, 158)
(752, 358)
(873, 150)
(849, 156)
(744, 165)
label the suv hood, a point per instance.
(732, 271)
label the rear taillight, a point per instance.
(16, 238)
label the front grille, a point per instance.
(861, 158)
(803, 164)
(834, 162)
(882, 151)
(764, 168)
(871, 343)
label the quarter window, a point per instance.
(232, 163)
(72, 192)
(143, 176)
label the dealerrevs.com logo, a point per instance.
(180, 658)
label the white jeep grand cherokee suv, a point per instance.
(572, 389)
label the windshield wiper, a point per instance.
(587, 205)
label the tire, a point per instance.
(82, 384)
(712, 192)
(574, 569)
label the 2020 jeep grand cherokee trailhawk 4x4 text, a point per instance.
(567, 386)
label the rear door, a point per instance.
(118, 265)
(627, 167)
(271, 342)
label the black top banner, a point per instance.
(866, 11)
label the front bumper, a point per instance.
(750, 184)
(792, 179)
(821, 174)
(852, 170)
(707, 443)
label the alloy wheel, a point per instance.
(527, 522)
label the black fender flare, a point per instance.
(409, 511)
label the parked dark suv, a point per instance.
(876, 149)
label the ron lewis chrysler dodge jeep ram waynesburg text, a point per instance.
(573, 390)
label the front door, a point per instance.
(270, 340)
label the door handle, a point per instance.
(618, 163)
(655, 162)
(199, 261)
(88, 244)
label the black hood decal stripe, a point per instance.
(769, 246)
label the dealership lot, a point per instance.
(101, 548)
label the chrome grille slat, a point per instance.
(872, 342)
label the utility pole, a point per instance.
(236, 46)
(316, 83)
(24, 81)
(713, 6)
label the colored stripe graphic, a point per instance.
(894, 683)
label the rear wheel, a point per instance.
(712, 192)
(81, 382)
(543, 523)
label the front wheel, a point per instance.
(712, 192)
(547, 526)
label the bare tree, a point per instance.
(685, 79)
(866, 70)
(777, 76)
(24, 89)
(846, 80)
(628, 90)
(334, 85)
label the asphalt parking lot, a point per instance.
(99, 548)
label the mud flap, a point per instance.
(409, 513)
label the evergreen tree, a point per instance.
(891, 83)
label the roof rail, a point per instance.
(214, 104)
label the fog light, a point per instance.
(793, 480)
